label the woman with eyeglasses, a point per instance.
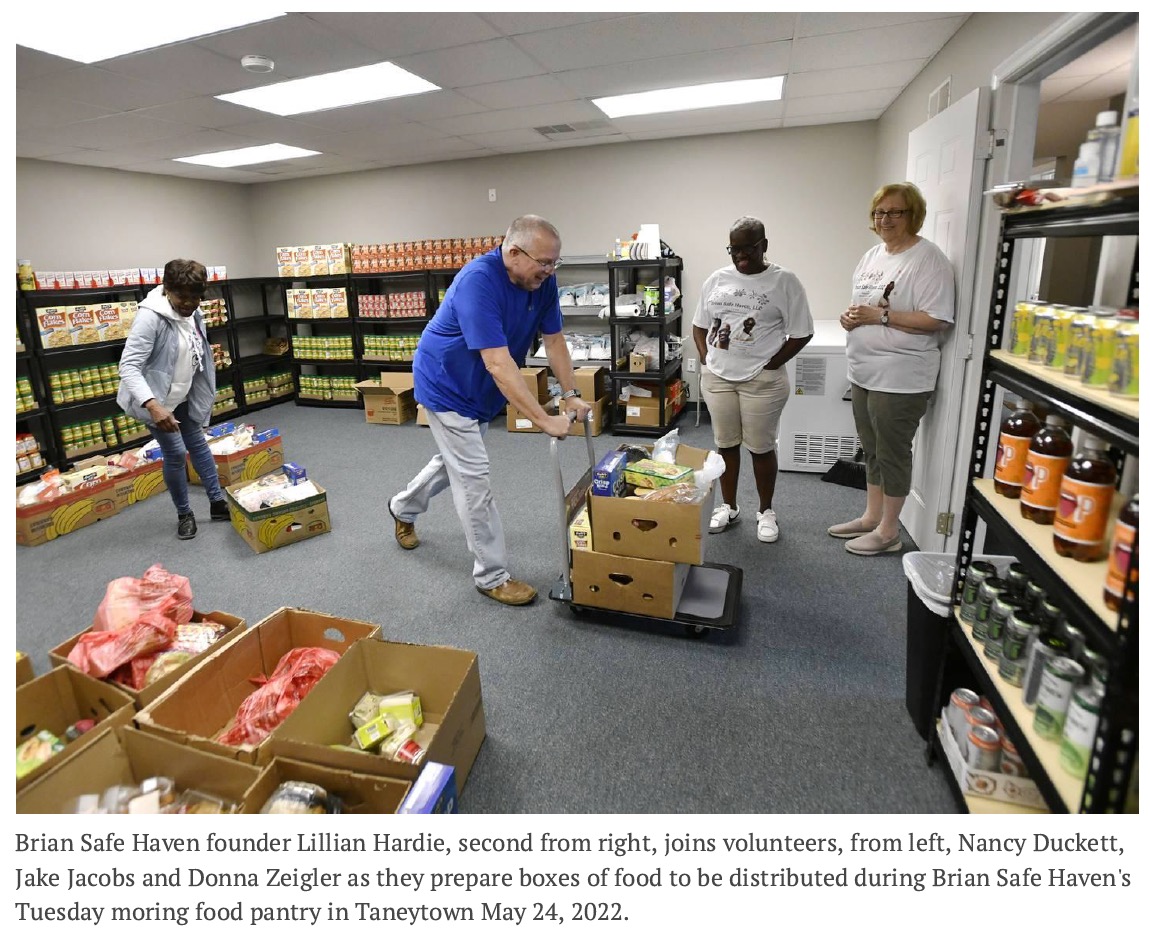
(759, 319)
(902, 302)
(168, 382)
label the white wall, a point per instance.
(82, 218)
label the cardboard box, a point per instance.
(1020, 790)
(579, 531)
(600, 416)
(58, 656)
(39, 523)
(446, 680)
(246, 464)
(644, 411)
(59, 698)
(518, 421)
(536, 380)
(144, 481)
(265, 530)
(358, 793)
(607, 477)
(199, 707)
(390, 400)
(621, 583)
(628, 526)
(591, 381)
(125, 756)
(24, 671)
(637, 363)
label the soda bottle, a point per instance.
(1121, 551)
(1084, 499)
(1049, 453)
(1018, 428)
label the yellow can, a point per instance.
(1100, 357)
(1079, 344)
(1124, 369)
(1056, 349)
(1042, 338)
(1021, 328)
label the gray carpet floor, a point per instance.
(800, 709)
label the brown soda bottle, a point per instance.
(1018, 428)
(1121, 551)
(1049, 453)
(1084, 499)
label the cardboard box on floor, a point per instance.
(197, 709)
(641, 529)
(535, 379)
(144, 481)
(59, 698)
(58, 656)
(246, 464)
(390, 400)
(264, 530)
(600, 417)
(445, 679)
(591, 381)
(39, 523)
(644, 411)
(358, 793)
(24, 671)
(621, 583)
(125, 756)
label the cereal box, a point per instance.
(303, 261)
(319, 260)
(337, 258)
(46, 280)
(320, 303)
(82, 323)
(108, 323)
(285, 261)
(338, 302)
(127, 315)
(299, 303)
(53, 323)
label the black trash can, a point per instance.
(930, 576)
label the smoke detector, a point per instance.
(260, 64)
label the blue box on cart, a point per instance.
(607, 480)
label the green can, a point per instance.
(1060, 677)
(1021, 627)
(988, 591)
(977, 573)
(1000, 611)
(1079, 729)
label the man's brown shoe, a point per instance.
(404, 531)
(510, 592)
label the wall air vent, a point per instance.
(811, 449)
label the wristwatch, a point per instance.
(885, 318)
(572, 393)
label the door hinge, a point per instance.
(984, 144)
(944, 524)
(968, 352)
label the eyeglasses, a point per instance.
(744, 249)
(894, 214)
(549, 265)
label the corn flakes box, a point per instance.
(319, 266)
(285, 261)
(108, 323)
(53, 325)
(303, 261)
(82, 323)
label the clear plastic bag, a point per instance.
(666, 448)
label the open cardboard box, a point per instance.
(197, 709)
(24, 672)
(265, 530)
(621, 583)
(599, 415)
(246, 464)
(125, 756)
(58, 656)
(359, 793)
(390, 400)
(59, 698)
(641, 529)
(446, 680)
(985, 783)
(39, 523)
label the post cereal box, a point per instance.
(127, 315)
(108, 323)
(319, 260)
(299, 303)
(337, 258)
(82, 322)
(285, 261)
(303, 261)
(54, 332)
(320, 303)
(338, 302)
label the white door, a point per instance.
(946, 159)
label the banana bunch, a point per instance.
(254, 465)
(271, 530)
(145, 486)
(67, 517)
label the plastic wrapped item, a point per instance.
(99, 653)
(713, 467)
(401, 745)
(127, 599)
(197, 637)
(297, 798)
(685, 492)
(665, 449)
(36, 751)
(194, 802)
(366, 709)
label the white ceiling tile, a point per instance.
(190, 144)
(822, 24)
(572, 144)
(32, 64)
(874, 46)
(188, 67)
(27, 149)
(397, 138)
(895, 75)
(758, 61)
(811, 120)
(42, 110)
(205, 112)
(520, 92)
(480, 63)
(114, 132)
(862, 101)
(398, 34)
(97, 157)
(503, 139)
(1101, 88)
(91, 85)
(717, 130)
(516, 24)
(287, 130)
(432, 105)
(518, 117)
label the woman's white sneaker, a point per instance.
(768, 529)
(723, 516)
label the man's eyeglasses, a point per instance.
(550, 266)
(893, 214)
(744, 249)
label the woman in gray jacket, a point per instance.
(168, 381)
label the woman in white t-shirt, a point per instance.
(752, 318)
(902, 301)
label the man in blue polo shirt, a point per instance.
(467, 369)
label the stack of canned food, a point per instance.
(1028, 638)
(280, 384)
(317, 387)
(215, 312)
(390, 347)
(256, 390)
(1095, 345)
(328, 348)
(220, 357)
(225, 400)
(84, 383)
(28, 457)
(25, 399)
(103, 433)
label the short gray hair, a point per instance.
(747, 223)
(528, 227)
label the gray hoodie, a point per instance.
(150, 358)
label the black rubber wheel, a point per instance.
(695, 631)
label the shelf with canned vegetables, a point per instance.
(1050, 635)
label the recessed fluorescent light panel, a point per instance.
(335, 89)
(692, 97)
(98, 33)
(248, 156)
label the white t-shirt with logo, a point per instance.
(887, 359)
(748, 317)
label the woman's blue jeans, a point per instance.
(177, 446)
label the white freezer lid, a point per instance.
(829, 338)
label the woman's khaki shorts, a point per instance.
(886, 424)
(746, 413)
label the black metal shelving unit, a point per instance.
(1076, 587)
(623, 277)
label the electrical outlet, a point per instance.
(692, 365)
(491, 194)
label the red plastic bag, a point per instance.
(261, 713)
(158, 590)
(98, 653)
